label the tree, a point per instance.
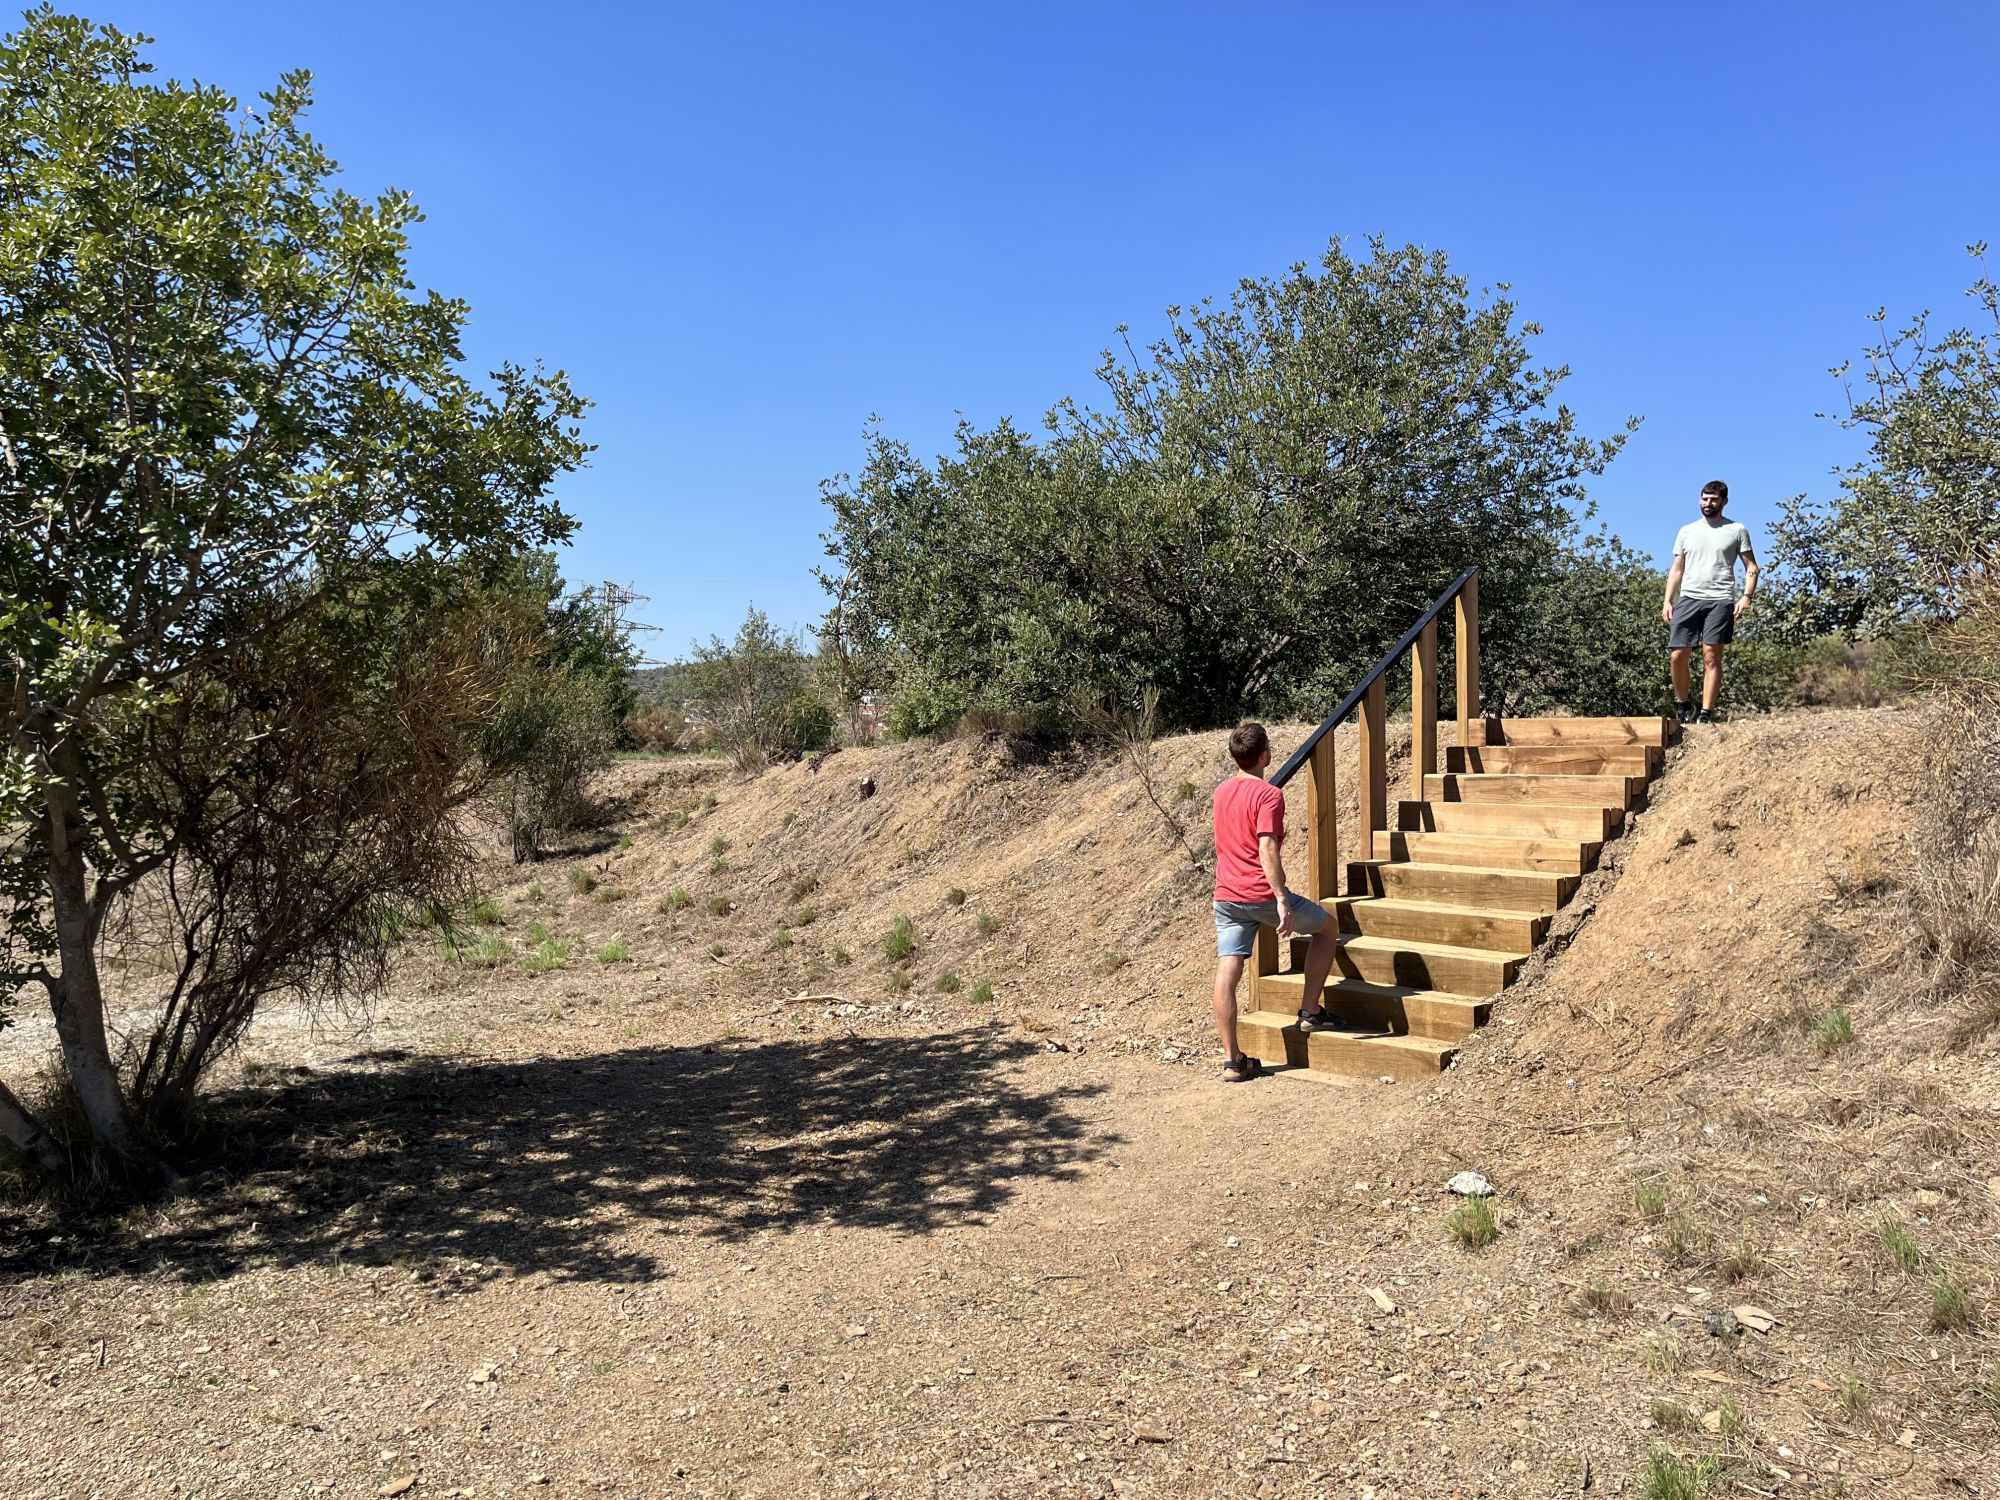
(225, 409)
(1906, 533)
(1274, 490)
(756, 695)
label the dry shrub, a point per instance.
(1953, 882)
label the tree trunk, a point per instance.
(35, 1143)
(78, 1002)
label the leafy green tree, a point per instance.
(1271, 493)
(1913, 519)
(756, 694)
(223, 406)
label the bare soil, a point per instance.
(736, 1213)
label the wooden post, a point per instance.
(1266, 961)
(1469, 703)
(1374, 788)
(1322, 821)
(1423, 710)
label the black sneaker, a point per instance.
(1317, 1020)
(1706, 716)
(1684, 710)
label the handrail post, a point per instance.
(1266, 961)
(1470, 705)
(1423, 710)
(1322, 825)
(1374, 763)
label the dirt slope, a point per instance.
(767, 1222)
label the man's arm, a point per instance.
(1274, 871)
(1673, 586)
(1749, 581)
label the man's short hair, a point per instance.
(1246, 743)
(1718, 488)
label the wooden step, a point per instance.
(1626, 792)
(1425, 922)
(1530, 820)
(1556, 760)
(1488, 851)
(1378, 1055)
(1462, 885)
(1425, 966)
(1377, 1007)
(1644, 729)
(1274, 1036)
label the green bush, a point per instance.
(900, 941)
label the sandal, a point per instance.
(1242, 1069)
(1317, 1020)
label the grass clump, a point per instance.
(718, 866)
(1899, 1245)
(1951, 1305)
(1672, 1417)
(1834, 1029)
(1986, 1390)
(840, 957)
(899, 980)
(1184, 791)
(1600, 1299)
(716, 906)
(899, 943)
(624, 842)
(490, 952)
(982, 993)
(550, 953)
(947, 983)
(610, 893)
(1650, 1198)
(535, 892)
(801, 916)
(718, 846)
(802, 887)
(954, 897)
(674, 821)
(1852, 1398)
(718, 950)
(782, 938)
(485, 912)
(988, 924)
(614, 952)
(708, 803)
(675, 900)
(538, 932)
(1668, 1476)
(1686, 1239)
(1115, 960)
(1473, 1224)
(581, 881)
(1741, 1263)
(1662, 1353)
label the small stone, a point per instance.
(1721, 1323)
(856, 1331)
(398, 1486)
(1754, 1318)
(485, 1375)
(1147, 1432)
(1381, 1299)
(1470, 1185)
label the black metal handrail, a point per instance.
(1396, 652)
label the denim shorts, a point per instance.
(1236, 922)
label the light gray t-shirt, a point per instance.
(1711, 553)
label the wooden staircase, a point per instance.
(1457, 892)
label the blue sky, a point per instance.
(745, 228)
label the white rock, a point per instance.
(1470, 1185)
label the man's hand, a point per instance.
(1741, 605)
(1667, 613)
(1284, 918)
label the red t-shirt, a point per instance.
(1246, 807)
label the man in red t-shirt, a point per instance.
(1250, 892)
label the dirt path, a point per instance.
(663, 1226)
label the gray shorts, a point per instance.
(1236, 922)
(1708, 622)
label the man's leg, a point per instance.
(1679, 657)
(1711, 675)
(1228, 971)
(1319, 963)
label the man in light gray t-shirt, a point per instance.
(1704, 574)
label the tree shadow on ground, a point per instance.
(586, 1168)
